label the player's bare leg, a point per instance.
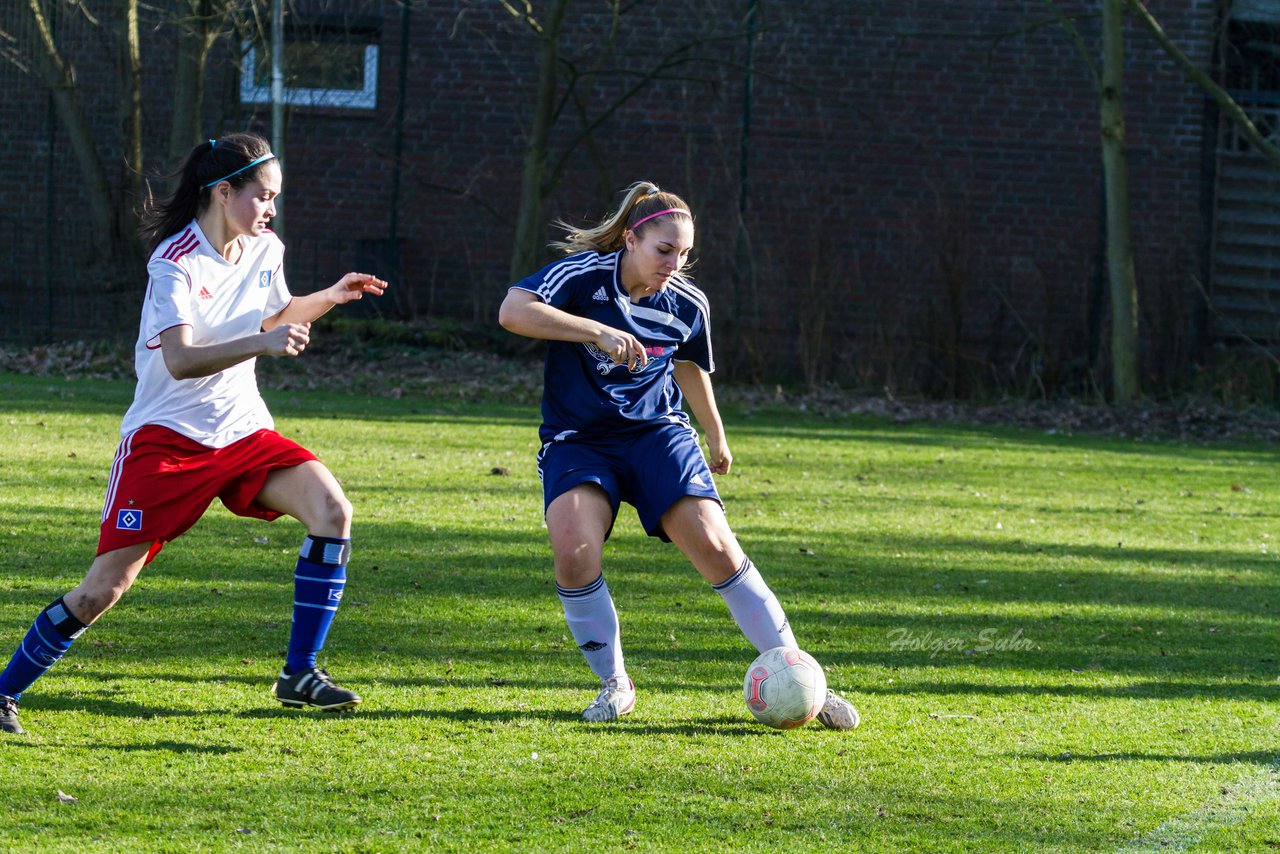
(578, 522)
(311, 494)
(699, 528)
(109, 577)
(64, 620)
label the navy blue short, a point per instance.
(650, 470)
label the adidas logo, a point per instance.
(697, 478)
(205, 293)
(592, 646)
(600, 295)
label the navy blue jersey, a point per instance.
(584, 391)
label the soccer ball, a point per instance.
(784, 687)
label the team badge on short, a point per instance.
(264, 279)
(128, 520)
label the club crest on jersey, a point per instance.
(605, 363)
(128, 520)
(264, 279)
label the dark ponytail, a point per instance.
(208, 163)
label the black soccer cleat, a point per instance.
(313, 688)
(9, 716)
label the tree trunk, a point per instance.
(125, 233)
(59, 78)
(524, 253)
(1124, 288)
(198, 31)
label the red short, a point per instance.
(162, 482)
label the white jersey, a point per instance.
(191, 284)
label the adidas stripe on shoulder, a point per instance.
(572, 267)
(693, 293)
(688, 290)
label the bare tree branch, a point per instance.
(524, 15)
(673, 59)
(1197, 75)
(1067, 22)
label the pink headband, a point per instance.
(642, 221)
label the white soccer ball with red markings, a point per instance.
(784, 687)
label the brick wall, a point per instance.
(921, 197)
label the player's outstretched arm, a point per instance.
(523, 313)
(695, 384)
(186, 360)
(352, 286)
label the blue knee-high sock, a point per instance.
(317, 589)
(49, 637)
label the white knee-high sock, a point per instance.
(593, 622)
(755, 609)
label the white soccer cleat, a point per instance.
(838, 713)
(613, 701)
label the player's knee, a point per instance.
(576, 566)
(709, 545)
(87, 604)
(716, 568)
(334, 516)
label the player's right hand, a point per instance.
(288, 339)
(623, 347)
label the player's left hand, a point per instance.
(719, 457)
(353, 286)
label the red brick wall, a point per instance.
(922, 196)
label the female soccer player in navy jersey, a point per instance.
(630, 338)
(198, 428)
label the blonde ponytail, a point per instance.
(641, 202)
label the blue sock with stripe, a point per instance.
(48, 638)
(318, 583)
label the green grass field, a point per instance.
(1056, 644)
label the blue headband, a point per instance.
(248, 165)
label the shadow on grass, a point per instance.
(172, 747)
(483, 597)
(958, 436)
(497, 564)
(175, 747)
(48, 393)
(1254, 757)
(39, 394)
(721, 725)
(105, 706)
(1134, 691)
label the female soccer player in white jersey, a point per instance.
(629, 339)
(198, 428)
